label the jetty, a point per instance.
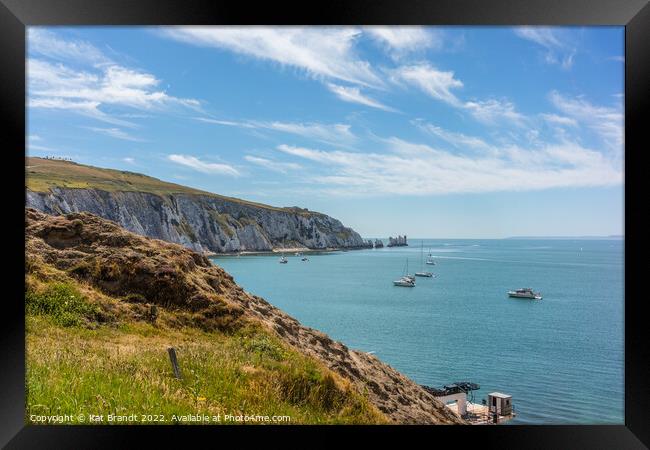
(497, 408)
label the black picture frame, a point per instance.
(16, 15)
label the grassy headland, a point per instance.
(44, 174)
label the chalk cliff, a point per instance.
(201, 221)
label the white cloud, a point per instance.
(417, 169)
(49, 44)
(439, 85)
(401, 41)
(607, 122)
(458, 140)
(128, 160)
(321, 52)
(330, 133)
(117, 133)
(559, 120)
(436, 83)
(492, 111)
(202, 166)
(54, 85)
(275, 166)
(57, 86)
(557, 49)
(354, 95)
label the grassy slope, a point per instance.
(87, 354)
(44, 174)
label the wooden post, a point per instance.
(174, 361)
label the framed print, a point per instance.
(369, 217)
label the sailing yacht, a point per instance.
(283, 260)
(407, 280)
(422, 272)
(430, 260)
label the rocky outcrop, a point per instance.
(202, 223)
(137, 269)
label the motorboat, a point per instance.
(283, 260)
(525, 293)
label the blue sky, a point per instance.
(476, 132)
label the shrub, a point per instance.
(60, 301)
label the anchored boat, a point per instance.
(406, 280)
(422, 272)
(525, 293)
(283, 260)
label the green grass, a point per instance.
(60, 301)
(81, 360)
(126, 370)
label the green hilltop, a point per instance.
(44, 174)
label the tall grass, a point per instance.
(125, 370)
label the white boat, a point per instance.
(407, 280)
(422, 272)
(404, 282)
(525, 293)
(430, 260)
(283, 260)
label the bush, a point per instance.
(60, 301)
(264, 346)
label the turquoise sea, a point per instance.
(560, 358)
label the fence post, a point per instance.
(174, 361)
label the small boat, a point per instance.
(525, 293)
(406, 280)
(283, 260)
(422, 272)
(305, 259)
(297, 254)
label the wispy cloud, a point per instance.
(117, 133)
(101, 83)
(606, 121)
(353, 95)
(558, 50)
(559, 120)
(458, 140)
(329, 133)
(128, 160)
(440, 85)
(323, 53)
(202, 166)
(492, 111)
(275, 166)
(402, 41)
(417, 169)
(436, 83)
(51, 45)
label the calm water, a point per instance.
(560, 358)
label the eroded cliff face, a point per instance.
(201, 222)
